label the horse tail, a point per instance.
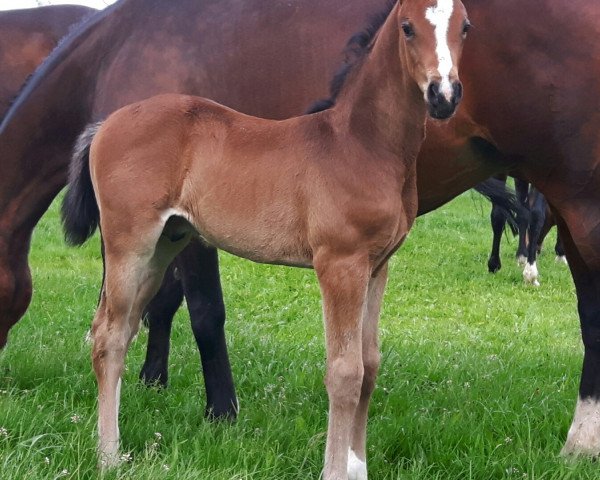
(496, 192)
(80, 214)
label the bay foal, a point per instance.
(335, 191)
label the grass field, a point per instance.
(478, 380)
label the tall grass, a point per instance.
(478, 380)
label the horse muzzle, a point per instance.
(442, 102)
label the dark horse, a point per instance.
(536, 121)
(26, 38)
(534, 224)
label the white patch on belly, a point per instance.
(584, 435)
(357, 469)
(439, 17)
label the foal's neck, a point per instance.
(381, 105)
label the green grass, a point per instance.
(478, 381)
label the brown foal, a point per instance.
(335, 191)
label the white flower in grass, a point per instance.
(3, 432)
(75, 418)
(46, 460)
(126, 457)
(166, 467)
(64, 473)
(158, 436)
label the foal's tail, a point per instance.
(496, 192)
(80, 214)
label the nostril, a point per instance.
(433, 92)
(457, 91)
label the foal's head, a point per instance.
(433, 32)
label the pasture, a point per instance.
(478, 380)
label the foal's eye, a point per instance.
(408, 30)
(466, 28)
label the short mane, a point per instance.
(356, 49)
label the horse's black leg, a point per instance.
(537, 204)
(522, 191)
(584, 434)
(498, 219)
(199, 269)
(559, 249)
(159, 317)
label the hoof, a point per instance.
(583, 439)
(357, 469)
(494, 265)
(521, 260)
(228, 413)
(530, 274)
(561, 259)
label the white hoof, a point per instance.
(561, 259)
(583, 438)
(521, 260)
(357, 469)
(530, 274)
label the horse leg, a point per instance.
(538, 216)
(159, 317)
(498, 219)
(357, 456)
(584, 434)
(15, 280)
(522, 191)
(344, 284)
(199, 269)
(131, 280)
(559, 249)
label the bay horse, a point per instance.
(533, 226)
(121, 56)
(26, 38)
(334, 191)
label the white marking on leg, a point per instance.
(357, 469)
(530, 274)
(521, 260)
(584, 435)
(439, 17)
(561, 259)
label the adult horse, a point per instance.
(334, 190)
(125, 54)
(26, 38)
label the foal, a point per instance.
(334, 191)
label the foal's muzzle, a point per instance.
(442, 105)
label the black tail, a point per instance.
(496, 192)
(80, 214)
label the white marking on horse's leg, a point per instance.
(521, 260)
(109, 450)
(357, 469)
(561, 259)
(530, 274)
(439, 17)
(584, 435)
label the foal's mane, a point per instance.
(357, 48)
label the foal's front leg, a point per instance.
(357, 456)
(343, 282)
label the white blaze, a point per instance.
(439, 17)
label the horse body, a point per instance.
(335, 190)
(26, 38)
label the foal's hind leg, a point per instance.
(538, 217)
(498, 219)
(134, 273)
(357, 456)
(159, 317)
(199, 269)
